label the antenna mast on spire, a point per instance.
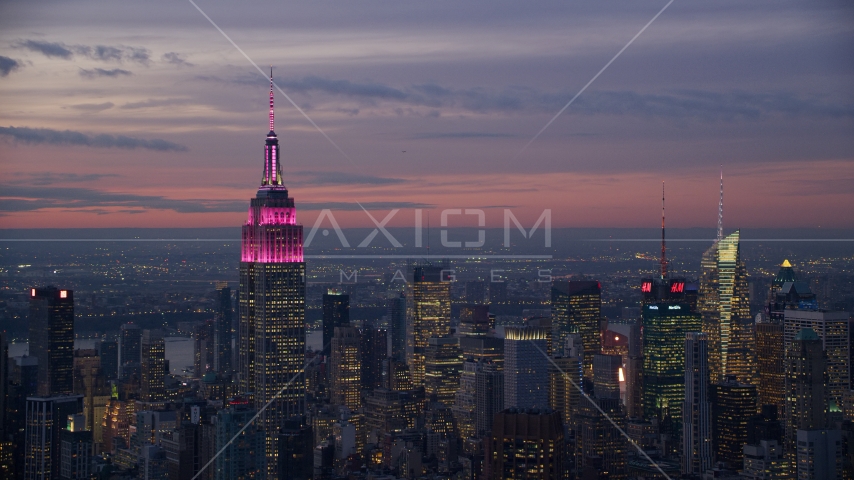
(272, 117)
(663, 243)
(721, 208)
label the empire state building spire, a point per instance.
(272, 167)
(272, 114)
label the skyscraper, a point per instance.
(443, 362)
(725, 309)
(806, 401)
(787, 293)
(374, 348)
(204, 347)
(397, 326)
(526, 444)
(75, 450)
(242, 458)
(576, 308)
(601, 448)
(45, 418)
(52, 338)
(733, 405)
(489, 396)
(431, 314)
(153, 363)
(345, 368)
(770, 356)
(223, 320)
(336, 313)
(272, 301)
(832, 329)
(475, 320)
(665, 327)
(108, 350)
(606, 375)
(696, 411)
(526, 377)
(129, 352)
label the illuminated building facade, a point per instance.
(52, 338)
(601, 449)
(431, 314)
(606, 375)
(576, 308)
(153, 362)
(526, 444)
(345, 368)
(664, 328)
(564, 384)
(489, 396)
(806, 389)
(696, 411)
(787, 293)
(336, 313)
(118, 417)
(483, 348)
(272, 302)
(475, 320)
(75, 449)
(832, 329)
(733, 405)
(725, 309)
(396, 375)
(443, 361)
(525, 367)
(770, 355)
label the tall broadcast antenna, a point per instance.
(663, 243)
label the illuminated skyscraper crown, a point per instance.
(271, 233)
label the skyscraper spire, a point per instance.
(272, 116)
(663, 243)
(272, 167)
(721, 208)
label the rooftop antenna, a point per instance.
(272, 117)
(663, 243)
(721, 208)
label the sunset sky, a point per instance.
(124, 114)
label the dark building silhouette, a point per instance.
(296, 451)
(374, 350)
(108, 351)
(397, 326)
(130, 350)
(336, 313)
(52, 338)
(223, 318)
(526, 444)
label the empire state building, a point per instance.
(272, 302)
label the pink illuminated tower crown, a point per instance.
(271, 233)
